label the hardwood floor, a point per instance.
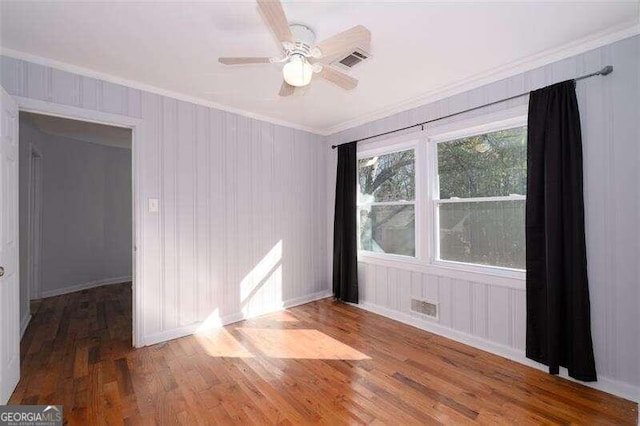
(322, 362)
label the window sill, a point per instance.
(483, 275)
(374, 256)
(495, 271)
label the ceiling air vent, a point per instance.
(424, 307)
(352, 59)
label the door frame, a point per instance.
(34, 233)
(117, 120)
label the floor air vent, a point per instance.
(424, 307)
(352, 59)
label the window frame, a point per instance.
(390, 146)
(490, 123)
(423, 143)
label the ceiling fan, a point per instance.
(302, 57)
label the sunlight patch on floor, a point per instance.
(275, 343)
(299, 344)
(282, 316)
(220, 343)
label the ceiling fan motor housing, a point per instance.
(302, 33)
(304, 38)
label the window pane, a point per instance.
(486, 233)
(388, 177)
(489, 165)
(388, 229)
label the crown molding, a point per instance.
(87, 72)
(594, 41)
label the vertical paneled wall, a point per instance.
(242, 222)
(494, 316)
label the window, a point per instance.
(479, 200)
(450, 202)
(386, 203)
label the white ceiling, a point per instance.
(82, 131)
(419, 48)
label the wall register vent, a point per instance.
(424, 307)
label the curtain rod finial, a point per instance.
(606, 70)
(334, 146)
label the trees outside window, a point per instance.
(480, 198)
(386, 203)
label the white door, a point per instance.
(9, 290)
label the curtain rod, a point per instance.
(604, 71)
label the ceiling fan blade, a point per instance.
(244, 61)
(338, 78)
(344, 43)
(276, 19)
(286, 89)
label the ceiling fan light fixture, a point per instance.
(298, 71)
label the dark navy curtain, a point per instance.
(558, 311)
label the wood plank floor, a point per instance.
(322, 362)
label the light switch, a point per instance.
(153, 205)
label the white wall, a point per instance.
(491, 313)
(242, 224)
(86, 211)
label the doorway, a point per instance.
(76, 192)
(12, 254)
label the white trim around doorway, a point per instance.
(34, 224)
(75, 113)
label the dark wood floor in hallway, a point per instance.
(322, 362)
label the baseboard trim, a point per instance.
(216, 321)
(84, 286)
(605, 384)
(24, 323)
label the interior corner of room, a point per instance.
(423, 212)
